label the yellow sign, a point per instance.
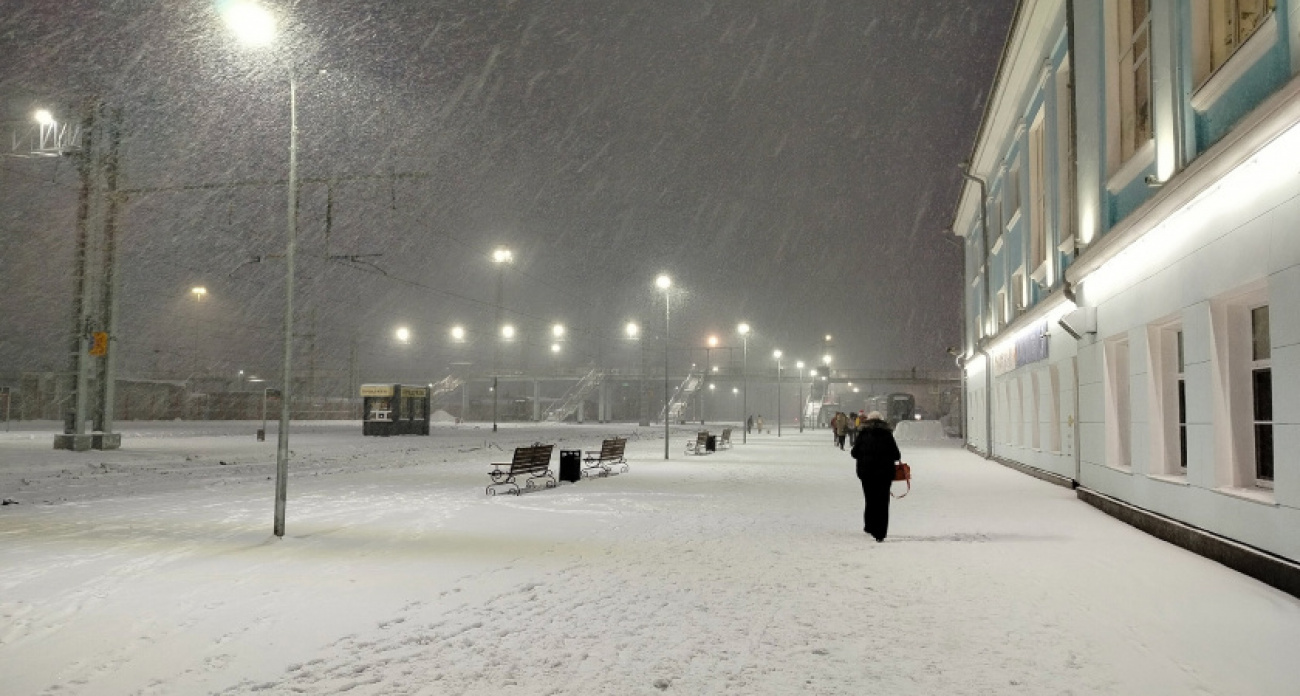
(376, 390)
(99, 343)
(414, 391)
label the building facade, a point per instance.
(1131, 219)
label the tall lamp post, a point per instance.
(802, 406)
(663, 282)
(501, 256)
(777, 355)
(711, 343)
(743, 329)
(253, 25)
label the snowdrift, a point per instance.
(919, 431)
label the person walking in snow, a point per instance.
(875, 454)
(841, 426)
(760, 423)
(749, 424)
(851, 430)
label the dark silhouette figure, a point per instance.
(876, 452)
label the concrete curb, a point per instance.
(1269, 569)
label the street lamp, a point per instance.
(712, 343)
(633, 331)
(802, 406)
(663, 282)
(558, 331)
(254, 26)
(500, 256)
(743, 329)
(403, 334)
(777, 355)
(458, 333)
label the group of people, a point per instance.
(845, 426)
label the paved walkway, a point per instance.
(742, 572)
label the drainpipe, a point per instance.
(988, 304)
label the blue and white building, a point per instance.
(1131, 218)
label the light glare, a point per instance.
(251, 23)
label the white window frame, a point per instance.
(1054, 435)
(1261, 362)
(1065, 159)
(1128, 49)
(1119, 412)
(1037, 227)
(1220, 28)
(1166, 435)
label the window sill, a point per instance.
(1138, 163)
(1254, 495)
(1067, 245)
(1231, 72)
(1176, 479)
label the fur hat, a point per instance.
(875, 415)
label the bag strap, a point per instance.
(904, 495)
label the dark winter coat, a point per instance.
(876, 451)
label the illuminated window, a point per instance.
(1220, 28)
(1065, 152)
(1131, 21)
(1038, 201)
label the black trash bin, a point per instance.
(711, 444)
(570, 465)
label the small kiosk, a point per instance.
(395, 409)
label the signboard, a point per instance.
(376, 390)
(414, 391)
(99, 343)
(1029, 347)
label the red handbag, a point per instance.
(903, 472)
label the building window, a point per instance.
(1182, 402)
(1261, 388)
(1168, 400)
(1065, 152)
(1035, 439)
(1011, 193)
(1118, 412)
(1038, 203)
(1133, 72)
(1220, 28)
(1003, 309)
(1019, 293)
(1054, 435)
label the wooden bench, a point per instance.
(610, 454)
(535, 462)
(724, 440)
(701, 444)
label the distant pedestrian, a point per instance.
(760, 423)
(876, 452)
(851, 432)
(749, 424)
(840, 424)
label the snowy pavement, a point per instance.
(152, 570)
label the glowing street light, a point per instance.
(507, 332)
(251, 23)
(458, 333)
(558, 331)
(501, 256)
(555, 348)
(632, 330)
(43, 117)
(403, 334)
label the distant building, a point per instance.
(1136, 178)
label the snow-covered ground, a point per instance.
(152, 570)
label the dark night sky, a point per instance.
(790, 163)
